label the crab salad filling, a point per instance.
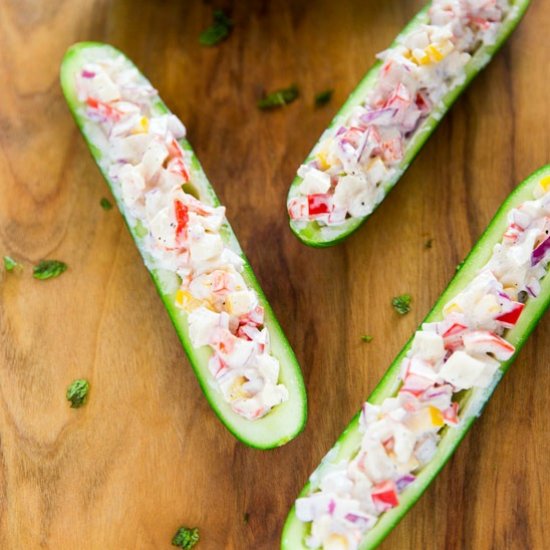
(462, 351)
(359, 158)
(179, 233)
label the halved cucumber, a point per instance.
(316, 235)
(472, 403)
(285, 421)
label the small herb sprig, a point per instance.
(48, 269)
(402, 304)
(322, 98)
(10, 264)
(105, 203)
(186, 538)
(77, 393)
(218, 31)
(279, 98)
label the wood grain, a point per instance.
(146, 453)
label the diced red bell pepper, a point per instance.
(422, 102)
(384, 495)
(318, 204)
(182, 217)
(103, 109)
(510, 318)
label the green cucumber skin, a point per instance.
(294, 530)
(287, 420)
(311, 234)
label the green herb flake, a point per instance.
(218, 31)
(10, 264)
(322, 98)
(77, 393)
(185, 538)
(105, 203)
(48, 269)
(402, 304)
(429, 243)
(367, 338)
(279, 98)
(246, 517)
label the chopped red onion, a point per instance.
(540, 252)
(403, 482)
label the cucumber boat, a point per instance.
(436, 387)
(395, 108)
(242, 359)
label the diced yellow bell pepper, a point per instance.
(436, 416)
(434, 53)
(336, 541)
(142, 127)
(187, 301)
(322, 160)
(545, 183)
(452, 307)
(237, 391)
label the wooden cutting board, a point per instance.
(146, 454)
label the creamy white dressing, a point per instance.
(181, 235)
(462, 351)
(353, 162)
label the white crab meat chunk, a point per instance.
(315, 182)
(428, 346)
(206, 247)
(202, 324)
(462, 370)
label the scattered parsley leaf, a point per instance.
(105, 203)
(218, 31)
(279, 98)
(402, 304)
(246, 517)
(77, 393)
(367, 338)
(10, 264)
(322, 98)
(47, 269)
(186, 538)
(428, 243)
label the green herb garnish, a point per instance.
(186, 538)
(279, 98)
(10, 264)
(402, 304)
(77, 393)
(47, 269)
(323, 98)
(246, 517)
(428, 243)
(367, 338)
(218, 31)
(105, 203)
